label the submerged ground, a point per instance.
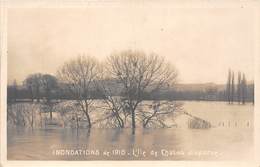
(230, 138)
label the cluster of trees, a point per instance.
(36, 86)
(236, 92)
(123, 81)
(135, 73)
(44, 83)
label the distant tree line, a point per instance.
(207, 93)
(200, 95)
(240, 92)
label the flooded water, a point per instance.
(231, 138)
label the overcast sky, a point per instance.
(202, 43)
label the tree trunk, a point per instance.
(122, 123)
(31, 93)
(146, 122)
(89, 122)
(88, 117)
(32, 120)
(119, 120)
(51, 114)
(133, 122)
(77, 119)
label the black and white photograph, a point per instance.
(134, 82)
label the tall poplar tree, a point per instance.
(232, 87)
(244, 89)
(239, 87)
(228, 86)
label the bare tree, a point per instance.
(139, 73)
(113, 104)
(33, 84)
(22, 115)
(159, 112)
(48, 84)
(79, 75)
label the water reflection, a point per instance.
(40, 144)
(231, 136)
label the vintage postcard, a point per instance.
(123, 83)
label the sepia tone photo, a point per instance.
(130, 83)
